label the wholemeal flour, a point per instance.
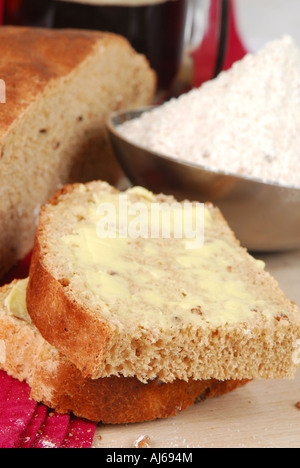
(246, 121)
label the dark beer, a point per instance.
(37, 13)
(154, 28)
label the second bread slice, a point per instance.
(150, 307)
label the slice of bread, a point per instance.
(60, 88)
(56, 382)
(154, 307)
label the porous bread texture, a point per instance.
(56, 382)
(60, 88)
(105, 338)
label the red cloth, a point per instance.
(27, 424)
(16, 410)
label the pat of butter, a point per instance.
(15, 302)
(142, 192)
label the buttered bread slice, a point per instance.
(119, 301)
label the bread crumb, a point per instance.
(142, 442)
(298, 405)
(281, 317)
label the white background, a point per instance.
(260, 21)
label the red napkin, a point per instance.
(28, 437)
(27, 424)
(16, 410)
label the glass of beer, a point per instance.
(165, 31)
(155, 28)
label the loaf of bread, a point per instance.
(56, 382)
(60, 87)
(153, 307)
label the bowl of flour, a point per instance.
(235, 141)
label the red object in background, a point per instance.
(1, 10)
(20, 271)
(235, 47)
(221, 31)
(35, 13)
(205, 56)
(12, 6)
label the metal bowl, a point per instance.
(264, 216)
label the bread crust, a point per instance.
(61, 328)
(120, 400)
(33, 57)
